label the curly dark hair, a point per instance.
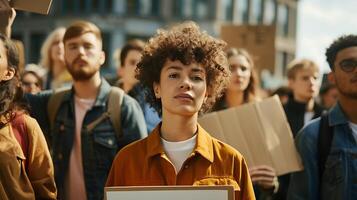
(339, 44)
(11, 94)
(186, 43)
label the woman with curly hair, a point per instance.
(26, 170)
(184, 70)
(243, 88)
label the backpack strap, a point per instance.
(115, 101)
(324, 142)
(54, 103)
(20, 131)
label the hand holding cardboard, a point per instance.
(259, 131)
(7, 16)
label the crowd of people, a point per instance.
(66, 132)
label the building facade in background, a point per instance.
(121, 20)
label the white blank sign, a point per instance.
(170, 192)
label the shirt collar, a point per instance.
(103, 93)
(203, 144)
(102, 96)
(337, 116)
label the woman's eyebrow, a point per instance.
(174, 67)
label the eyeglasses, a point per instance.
(348, 65)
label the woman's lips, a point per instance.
(184, 97)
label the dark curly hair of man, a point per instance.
(186, 43)
(339, 44)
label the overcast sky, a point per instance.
(320, 22)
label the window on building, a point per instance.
(283, 20)
(177, 8)
(227, 10)
(143, 7)
(36, 40)
(68, 6)
(257, 11)
(132, 7)
(184, 8)
(243, 11)
(155, 7)
(119, 6)
(281, 60)
(201, 9)
(292, 26)
(269, 12)
(107, 48)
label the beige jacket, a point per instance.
(17, 183)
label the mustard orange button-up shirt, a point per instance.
(212, 162)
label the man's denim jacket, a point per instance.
(99, 146)
(339, 180)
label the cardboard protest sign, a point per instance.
(259, 131)
(257, 39)
(170, 192)
(36, 6)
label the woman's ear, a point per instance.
(8, 74)
(102, 58)
(157, 91)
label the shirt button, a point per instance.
(61, 127)
(110, 142)
(60, 156)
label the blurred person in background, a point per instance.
(328, 95)
(328, 145)
(244, 88)
(303, 80)
(26, 169)
(130, 56)
(82, 155)
(31, 82)
(52, 59)
(284, 93)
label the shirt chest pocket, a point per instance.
(218, 181)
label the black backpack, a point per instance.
(324, 143)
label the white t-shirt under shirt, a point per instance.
(178, 152)
(75, 187)
(308, 116)
(354, 129)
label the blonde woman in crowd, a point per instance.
(52, 59)
(244, 88)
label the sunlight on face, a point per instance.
(182, 88)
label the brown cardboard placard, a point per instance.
(259, 131)
(219, 192)
(36, 6)
(259, 40)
